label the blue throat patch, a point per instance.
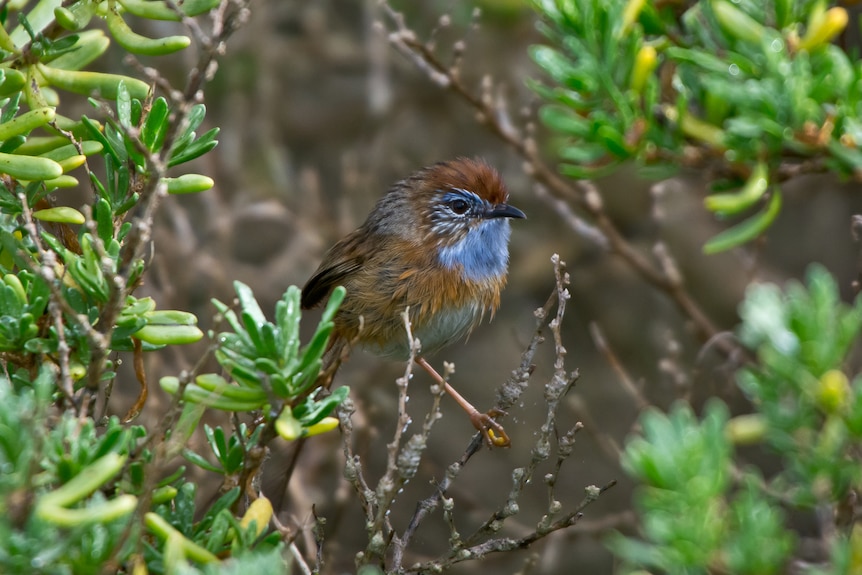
(482, 254)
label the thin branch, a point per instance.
(507, 395)
(503, 544)
(626, 382)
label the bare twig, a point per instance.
(485, 538)
(509, 543)
(626, 382)
(507, 395)
(47, 261)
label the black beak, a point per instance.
(505, 211)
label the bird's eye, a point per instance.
(459, 206)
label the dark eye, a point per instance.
(459, 206)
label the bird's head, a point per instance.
(462, 212)
(452, 198)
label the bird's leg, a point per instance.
(493, 432)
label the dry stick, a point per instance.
(626, 382)
(298, 559)
(507, 395)
(141, 374)
(392, 479)
(403, 459)
(558, 386)
(509, 543)
(585, 195)
(59, 304)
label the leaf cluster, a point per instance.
(270, 369)
(702, 514)
(753, 90)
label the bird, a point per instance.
(436, 245)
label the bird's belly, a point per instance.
(436, 331)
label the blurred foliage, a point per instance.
(753, 91)
(68, 493)
(807, 411)
(80, 491)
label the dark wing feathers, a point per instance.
(326, 279)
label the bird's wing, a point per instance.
(327, 277)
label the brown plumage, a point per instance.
(436, 243)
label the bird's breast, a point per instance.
(433, 330)
(445, 302)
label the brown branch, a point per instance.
(141, 374)
(626, 382)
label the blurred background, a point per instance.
(318, 117)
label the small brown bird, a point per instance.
(437, 244)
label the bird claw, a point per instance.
(493, 432)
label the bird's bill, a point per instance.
(505, 211)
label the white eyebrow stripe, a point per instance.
(473, 197)
(468, 193)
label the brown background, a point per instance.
(318, 116)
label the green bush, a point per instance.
(752, 91)
(80, 492)
(753, 94)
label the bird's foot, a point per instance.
(493, 432)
